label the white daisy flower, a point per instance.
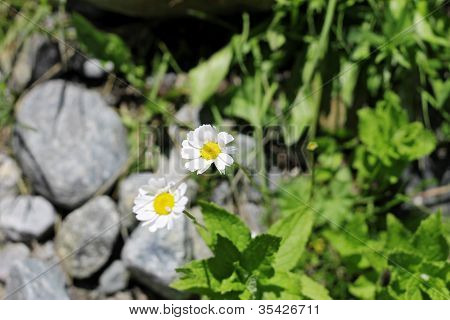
(159, 203)
(205, 146)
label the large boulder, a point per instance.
(70, 144)
(32, 279)
(87, 236)
(153, 257)
(26, 217)
(10, 254)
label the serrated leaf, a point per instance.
(429, 241)
(205, 78)
(404, 260)
(225, 254)
(219, 221)
(259, 254)
(230, 284)
(195, 277)
(294, 231)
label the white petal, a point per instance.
(229, 149)
(182, 202)
(170, 224)
(206, 165)
(178, 209)
(200, 164)
(220, 165)
(187, 143)
(205, 133)
(226, 158)
(191, 138)
(190, 153)
(224, 138)
(149, 217)
(142, 199)
(159, 223)
(154, 185)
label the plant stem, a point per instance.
(194, 220)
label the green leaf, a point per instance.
(218, 221)
(283, 285)
(429, 241)
(389, 136)
(102, 45)
(205, 78)
(195, 277)
(303, 111)
(347, 81)
(259, 253)
(225, 254)
(397, 235)
(363, 288)
(294, 231)
(313, 289)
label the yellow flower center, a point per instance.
(164, 203)
(210, 151)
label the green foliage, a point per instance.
(294, 230)
(107, 47)
(205, 78)
(225, 224)
(416, 264)
(389, 142)
(262, 267)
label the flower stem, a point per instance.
(194, 220)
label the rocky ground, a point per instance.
(67, 230)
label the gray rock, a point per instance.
(188, 116)
(10, 254)
(275, 177)
(252, 213)
(76, 293)
(45, 252)
(32, 279)
(9, 176)
(93, 68)
(70, 144)
(153, 257)
(124, 295)
(26, 217)
(87, 236)
(221, 194)
(114, 278)
(36, 57)
(128, 190)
